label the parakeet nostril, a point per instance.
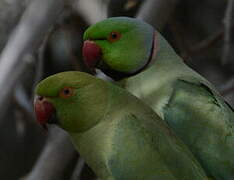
(40, 98)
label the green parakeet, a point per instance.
(119, 136)
(131, 51)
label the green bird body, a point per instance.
(192, 107)
(117, 134)
(184, 99)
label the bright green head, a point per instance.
(79, 100)
(125, 45)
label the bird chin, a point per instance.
(45, 111)
(50, 122)
(103, 76)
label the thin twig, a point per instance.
(207, 43)
(40, 63)
(227, 87)
(227, 31)
(228, 91)
(23, 101)
(78, 169)
(201, 46)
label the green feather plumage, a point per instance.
(192, 107)
(124, 138)
(188, 103)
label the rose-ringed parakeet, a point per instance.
(117, 134)
(132, 52)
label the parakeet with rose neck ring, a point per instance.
(139, 58)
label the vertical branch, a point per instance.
(78, 169)
(227, 31)
(10, 12)
(55, 157)
(23, 101)
(92, 11)
(157, 12)
(123, 7)
(227, 87)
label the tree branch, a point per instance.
(34, 24)
(24, 101)
(92, 11)
(227, 31)
(55, 157)
(157, 12)
(78, 169)
(123, 7)
(10, 13)
(227, 87)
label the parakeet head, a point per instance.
(119, 46)
(75, 101)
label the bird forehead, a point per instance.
(103, 28)
(53, 84)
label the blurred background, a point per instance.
(42, 37)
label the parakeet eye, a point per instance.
(114, 36)
(66, 92)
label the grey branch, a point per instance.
(33, 26)
(24, 101)
(40, 62)
(92, 10)
(78, 169)
(157, 12)
(55, 157)
(10, 12)
(227, 87)
(227, 31)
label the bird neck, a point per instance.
(163, 54)
(94, 145)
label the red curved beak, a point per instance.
(91, 53)
(44, 111)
